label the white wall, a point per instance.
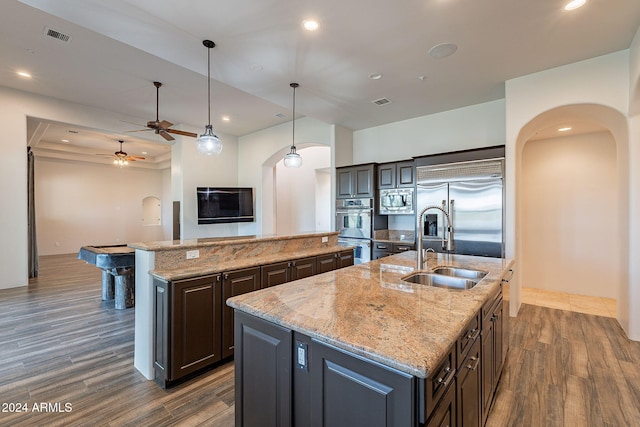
(79, 204)
(260, 151)
(192, 169)
(475, 126)
(570, 219)
(595, 90)
(296, 192)
(15, 106)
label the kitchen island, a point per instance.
(187, 281)
(362, 346)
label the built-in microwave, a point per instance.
(399, 201)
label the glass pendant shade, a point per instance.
(208, 143)
(293, 159)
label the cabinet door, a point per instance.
(195, 335)
(324, 263)
(445, 414)
(345, 258)
(349, 391)
(302, 268)
(234, 283)
(405, 174)
(488, 342)
(274, 274)
(346, 182)
(364, 181)
(386, 176)
(263, 374)
(498, 357)
(469, 393)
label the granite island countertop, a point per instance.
(368, 310)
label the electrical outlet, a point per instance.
(193, 254)
(325, 239)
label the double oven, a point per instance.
(355, 221)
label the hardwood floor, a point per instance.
(60, 344)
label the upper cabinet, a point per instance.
(396, 175)
(355, 181)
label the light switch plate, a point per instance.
(325, 239)
(193, 254)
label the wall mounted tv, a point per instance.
(217, 205)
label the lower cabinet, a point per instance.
(194, 327)
(493, 349)
(235, 283)
(187, 326)
(382, 249)
(469, 387)
(331, 262)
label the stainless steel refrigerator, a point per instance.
(472, 193)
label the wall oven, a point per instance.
(354, 218)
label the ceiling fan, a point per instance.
(162, 127)
(120, 157)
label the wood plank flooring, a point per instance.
(60, 344)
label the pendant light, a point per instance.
(208, 143)
(293, 159)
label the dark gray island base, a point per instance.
(352, 370)
(117, 263)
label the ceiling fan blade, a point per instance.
(165, 124)
(166, 136)
(135, 158)
(138, 130)
(182, 132)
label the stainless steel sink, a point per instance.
(460, 272)
(441, 281)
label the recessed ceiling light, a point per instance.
(65, 140)
(310, 24)
(144, 152)
(24, 74)
(574, 4)
(443, 50)
(226, 118)
(375, 76)
(564, 129)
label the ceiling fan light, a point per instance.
(292, 159)
(208, 143)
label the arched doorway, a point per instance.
(572, 203)
(297, 200)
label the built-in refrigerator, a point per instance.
(473, 194)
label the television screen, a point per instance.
(225, 204)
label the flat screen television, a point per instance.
(217, 205)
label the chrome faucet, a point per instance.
(447, 244)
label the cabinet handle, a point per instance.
(494, 318)
(505, 280)
(474, 365)
(473, 334)
(226, 277)
(443, 379)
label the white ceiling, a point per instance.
(119, 47)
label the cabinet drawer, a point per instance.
(433, 388)
(397, 247)
(466, 340)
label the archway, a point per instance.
(293, 200)
(564, 216)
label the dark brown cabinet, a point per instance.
(235, 283)
(469, 386)
(331, 262)
(382, 249)
(445, 415)
(263, 373)
(275, 274)
(492, 350)
(355, 181)
(396, 175)
(301, 268)
(187, 326)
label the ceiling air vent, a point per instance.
(381, 101)
(57, 35)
